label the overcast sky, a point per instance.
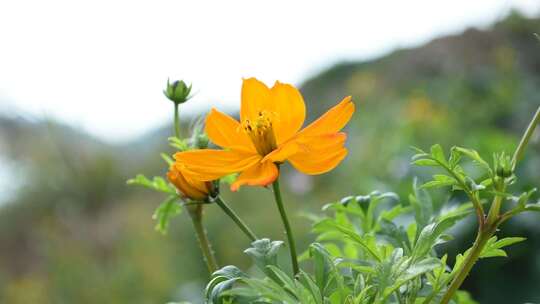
(102, 65)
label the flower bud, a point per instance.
(188, 186)
(503, 166)
(201, 141)
(177, 91)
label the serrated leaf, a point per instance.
(533, 207)
(167, 158)
(165, 212)
(179, 144)
(493, 247)
(472, 154)
(222, 280)
(264, 253)
(157, 183)
(430, 235)
(440, 180)
(426, 162)
(417, 269)
(455, 157)
(508, 241)
(438, 154)
(351, 234)
(490, 253)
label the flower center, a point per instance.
(261, 132)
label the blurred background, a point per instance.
(82, 110)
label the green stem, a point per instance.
(176, 120)
(495, 209)
(235, 218)
(195, 212)
(525, 138)
(468, 264)
(288, 231)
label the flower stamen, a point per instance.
(261, 133)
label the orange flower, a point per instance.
(189, 187)
(269, 133)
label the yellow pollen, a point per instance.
(261, 133)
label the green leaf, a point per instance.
(221, 281)
(309, 284)
(179, 144)
(369, 248)
(493, 247)
(166, 210)
(455, 157)
(167, 158)
(264, 253)
(422, 205)
(157, 183)
(532, 207)
(438, 154)
(229, 179)
(415, 270)
(463, 297)
(324, 269)
(472, 154)
(523, 198)
(440, 180)
(508, 241)
(431, 234)
(426, 162)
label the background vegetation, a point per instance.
(73, 232)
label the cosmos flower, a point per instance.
(268, 134)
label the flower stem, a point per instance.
(219, 201)
(176, 120)
(470, 260)
(195, 212)
(288, 231)
(525, 138)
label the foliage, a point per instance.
(377, 248)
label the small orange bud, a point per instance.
(188, 187)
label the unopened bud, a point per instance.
(177, 91)
(503, 166)
(201, 141)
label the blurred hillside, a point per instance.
(72, 232)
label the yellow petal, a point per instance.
(321, 144)
(333, 120)
(318, 164)
(260, 174)
(255, 98)
(208, 164)
(226, 132)
(289, 109)
(192, 188)
(283, 152)
(319, 154)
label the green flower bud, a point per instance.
(504, 173)
(177, 91)
(503, 166)
(201, 141)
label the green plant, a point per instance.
(376, 248)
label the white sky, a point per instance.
(102, 65)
